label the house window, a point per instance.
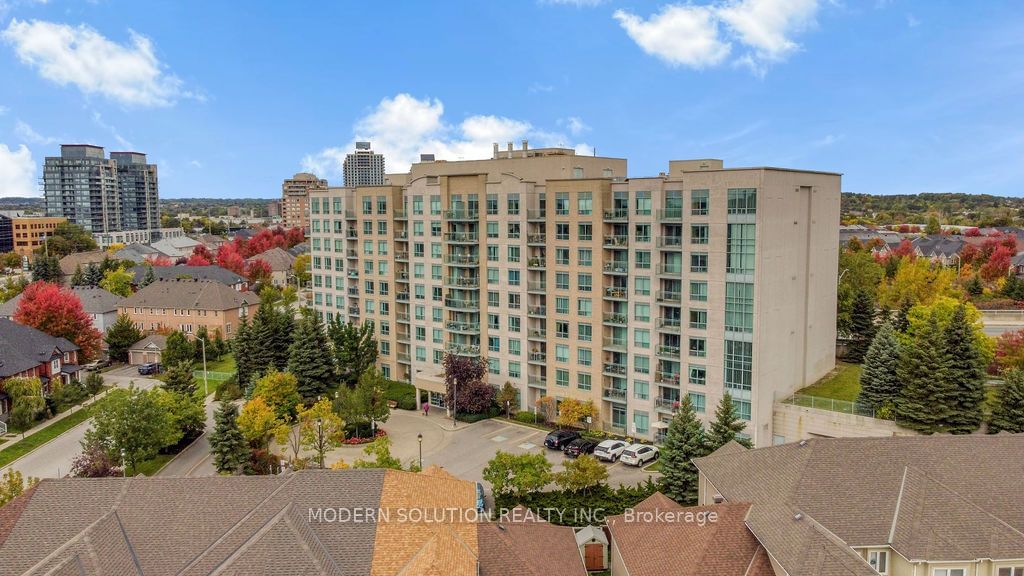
(949, 572)
(698, 375)
(699, 203)
(55, 366)
(1015, 571)
(742, 200)
(698, 234)
(879, 560)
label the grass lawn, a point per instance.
(843, 383)
(18, 449)
(151, 467)
(225, 364)
(656, 467)
(219, 371)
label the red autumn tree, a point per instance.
(295, 236)
(257, 271)
(969, 253)
(906, 248)
(160, 260)
(197, 260)
(201, 251)
(58, 312)
(972, 232)
(998, 265)
(1009, 352)
(904, 229)
(465, 380)
(229, 257)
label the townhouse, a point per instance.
(188, 304)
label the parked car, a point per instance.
(97, 364)
(149, 368)
(559, 438)
(479, 497)
(609, 450)
(639, 454)
(579, 447)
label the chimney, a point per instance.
(509, 148)
(495, 150)
(526, 147)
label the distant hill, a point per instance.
(22, 203)
(949, 208)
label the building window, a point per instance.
(561, 305)
(492, 229)
(698, 347)
(642, 312)
(561, 231)
(642, 286)
(562, 280)
(514, 370)
(585, 232)
(492, 204)
(584, 307)
(698, 291)
(642, 364)
(643, 259)
(562, 354)
(698, 401)
(585, 282)
(698, 234)
(739, 307)
(583, 357)
(641, 421)
(561, 203)
(562, 378)
(586, 257)
(643, 203)
(583, 381)
(699, 203)
(586, 332)
(697, 375)
(562, 329)
(643, 232)
(562, 256)
(740, 249)
(699, 262)
(585, 203)
(513, 204)
(742, 200)
(879, 560)
(699, 319)
(739, 361)
(642, 338)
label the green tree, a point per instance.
(179, 379)
(313, 370)
(227, 443)
(68, 238)
(925, 403)
(117, 281)
(12, 287)
(727, 426)
(133, 424)
(270, 338)
(219, 346)
(121, 335)
(93, 383)
(974, 286)
(507, 398)
(178, 349)
(862, 326)
(78, 278)
(242, 348)
(300, 268)
(280, 390)
(933, 226)
(149, 277)
(93, 275)
(1013, 288)
(27, 401)
(366, 404)
(258, 421)
(1008, 410)
(902, 321)
(12, 485)
(879, 383)
(380, 449)
(965, 371)
(517, 474)
(860, 272)
(581, 474)
(185, 414)
(321, 428)
(355, 348)
(684, 441)
(46, 269)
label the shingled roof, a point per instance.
(526, 544)
(244, 525)
(278, 259)
(191, 295)
(23, 347)
(930, 498)
(94, 301)
(222, 275)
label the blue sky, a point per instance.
(901, 96)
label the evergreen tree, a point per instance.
(93, 275)
(902, 321)
(78, 278)
(975, 287)
(1008, 412)
(120, 337)
(148, 278)
(727, 426)
(241, 346)
(262, 334)
(229, 447)
(965, 373)
(203, 337)
(313, 370)
(684, 441)
(924, 404)
(178, 349)
(1014, 288)
(179, 378)
(219, 347)
(862, 325)
(355, 348)
(46, 268)
(283, 333)
(879, 384)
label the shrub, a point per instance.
(489, 413)
(560, 506)
(403, 393)
(527, 418)
(228, 390)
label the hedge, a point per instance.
(562, 507)
(403, 393)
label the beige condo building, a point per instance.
(294, 205)
(575, 281)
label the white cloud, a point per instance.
(679, 35)
(28, 134)
(575, 125)
(700, 36)
(828, 140)
(404, 126)
(195, 163)
(97, 119)
(913, 21)
(81, 56)
(4, 110)
(17, 172)
(537, 88)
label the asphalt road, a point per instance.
(195, 460)
(53, 460)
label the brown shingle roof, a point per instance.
(190, 294)
(280, 260)
(528, 548)
(83, 259)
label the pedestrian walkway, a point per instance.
(47, 423)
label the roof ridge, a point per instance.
(899, 502)
(128, 542)
(434, 538)
(253, 538)
(300, 526)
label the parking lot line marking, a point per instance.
(496, 432)
(498, 439)
(527, 446)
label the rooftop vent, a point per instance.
(426, 157)
(798, 516)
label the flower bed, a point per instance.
(357, 440)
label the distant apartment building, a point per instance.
(273, 209)
(108, 239)
(23, 234)
(295, 198)
(575, 281)
(101, 194)
(363, 167)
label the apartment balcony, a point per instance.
(540, 334)
(615, 394)
(614, 369)
(350, 214)
(464, 214)
(620, 268)
(401, 256)
(402, 235)
(535, 215)
(463, 349)
(540, 287)
(353, 291)
(618, 215)
(402, 276)
(614, 293)
(353, 310)
(353, 273)
(670, 242)
(462, 260)
(402, 337)
(675, 270)
(670, 296)
(669, 405)
(536, 263)
(662, 378)
(461, 283)
(612, 343)
(536, 239)
(471, 305)
(462, 237)
(616, 241)
(537, 357)
(671, 325)
(537, 311)
(401, 214)
(402, 296)
(673, 352)
(616, 319)
(402, 317)
(403, 357)
(670, 215)
(535, 382)
(353, 254)
(352, 233)
(463, 327)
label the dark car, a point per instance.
(579, 447)
(149, 368)
(559, 438)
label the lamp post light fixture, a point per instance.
(419, 438)
(320, 441)
(507, 410)
(206, 379)
(455, 403)
(124, 467)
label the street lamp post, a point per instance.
(320, 441)
(455, 403)
(124, 467)
(206, 379)
(507, 410)
(419, 438)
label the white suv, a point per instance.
(639, 454)
(609, 450)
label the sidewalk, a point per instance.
(47, 423)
